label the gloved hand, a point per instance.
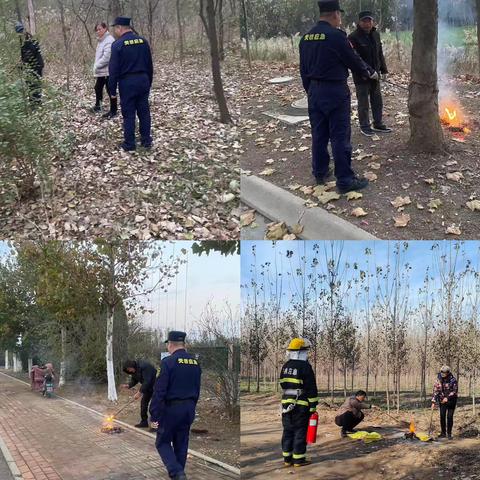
(433, 406)
(374, 76)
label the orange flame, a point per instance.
(451, 113)
(412, 427)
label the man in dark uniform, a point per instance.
(366, 42)
(299, 401)
(144, 373)
(173, 404)
(131, 67)
(33, 63)
(325, 57)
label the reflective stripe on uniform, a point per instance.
(313, 399)
(292, 391)
(291, 380)
(297, 456)
(292, 400)
(287, 454)
(313, 410)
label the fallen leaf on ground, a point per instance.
(289, 236)
(297, 229)
(326, 197)
(354, 195)
(429, 181)
(227, 197)
(267, 171)
(276, 231)
(434, 203)
(401, 201)
(455, 176)
(473, 205)
(302, 149)
(370, 176)
(294, 186)
(453, 230)
(358, 212)
(420, 206)
(402, 220)
(374, 166)
(247, 218)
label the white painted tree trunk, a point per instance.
(63, 366)
(7, 363)
(112, 390)
(17, 363)
(14, 362)
(30, 364)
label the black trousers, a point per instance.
(348, 421)
(100, 84)
(146, 397)
(446, 416)
(369, 92)
(294, 438)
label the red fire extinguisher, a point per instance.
(312, 428)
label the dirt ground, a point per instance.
(334, 458)
(270, 144)
(217, 437)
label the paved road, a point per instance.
(51, 439)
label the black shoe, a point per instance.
(343, 434)
(302, 463)
(109, 115)
(96, 109)
(442, 435)
(368, 132)
(147, 146)
(127, 149)
(357, 184)
(381, 128)
(180, 476)
(450, 436)
(352, 431)
(142, 425)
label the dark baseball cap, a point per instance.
(365, 14)
(175, 336)
(123, 21)
(329, 6)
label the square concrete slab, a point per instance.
(290, 119)
(301, 103)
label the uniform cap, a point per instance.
(175, 336)
(365, 14)
(19, 28)
(298, 344)
(329, 6)
(124, 21)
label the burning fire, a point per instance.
(109, 427)
(412, 427)
(451, 116)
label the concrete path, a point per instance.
(5, 473)
(52, 439)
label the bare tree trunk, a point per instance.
(63, 367)
(426, 133)
(207, 14)
(221, 35)
(115, 8)
(180, 29)
(478, 32)
(66, 42)
(18, 11)
(31, 17)
(247, 33)
(112, 391)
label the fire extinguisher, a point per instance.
(312, 428)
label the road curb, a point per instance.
(10, 461)
(194, 453)
(279, 205)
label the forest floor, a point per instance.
(212, 433)
(438, 187)
(185, 187)
(334, 458)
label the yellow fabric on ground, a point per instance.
(367, 437)
(424, 437)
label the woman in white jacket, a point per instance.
(100, 69)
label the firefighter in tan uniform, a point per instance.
(299, 401)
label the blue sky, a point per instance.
(419, 255)
(213, 278)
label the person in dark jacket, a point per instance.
(325, 58)
(367, 43)
(32, 61)
(175, 397)
(131, 68)
(350, 413)
(299, 401)
(445, 395)
(144, 373)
